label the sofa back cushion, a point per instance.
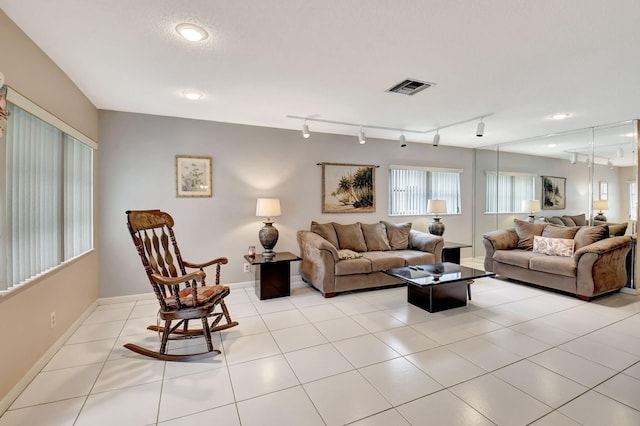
(375, 236)
(556, 220)
(590, 234)
(553, 246)
(350, 237)
(579, 219)
(526, 231)
(326, 231)
(555, 231)
(398, 235)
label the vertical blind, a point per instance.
(49, 197)
(506, 191)
(410, 188)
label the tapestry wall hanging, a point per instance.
(348, 188)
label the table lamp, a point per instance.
(600, 205)
(268, 236)
(436, 206)
(531, 206)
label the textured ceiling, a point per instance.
(519, 60)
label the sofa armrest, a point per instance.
(502, 239)
(601, 266)
(319, 258)
(426, 242)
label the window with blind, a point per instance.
(410, 188)
(506, 191)
(48, 215)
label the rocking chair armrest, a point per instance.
(169, 281)
(219, 260)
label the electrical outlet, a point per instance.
(53, 319)
(247, 267)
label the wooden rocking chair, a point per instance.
(182, 296)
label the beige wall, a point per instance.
(70, 290)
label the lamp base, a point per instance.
(436, 227)
(268, 237)
(531, 218)
(600, 216)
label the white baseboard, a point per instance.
(628, 290)
(13, 394)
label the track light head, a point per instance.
(620, 152)
(573, 158)
(480, 129)
(361, 138)
(403, 141)
(436, 139)
(305, 130)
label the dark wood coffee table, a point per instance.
(438, 286)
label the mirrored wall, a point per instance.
(589, 171)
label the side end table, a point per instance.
(273, 275)
(451, 251)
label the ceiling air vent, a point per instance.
(410, 87)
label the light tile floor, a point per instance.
(515, 355)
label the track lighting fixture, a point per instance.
(305, 130)
(361, 138)
(620, 152)
(610, 164)
(480, 129)
(436, 138)
(573, 158)
(403, 141)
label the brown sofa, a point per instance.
(338, 258)
(597, 265)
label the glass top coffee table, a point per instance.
(438, 286)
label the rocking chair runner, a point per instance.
(182, 296)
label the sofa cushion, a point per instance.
(350, 237)
(375, 236)
(579, 219)
(353, 266)
(416, 257)
(515, 257)
(398, 235)
(553, 246)
(556, 220)
(567, 221)
(526, 231)
(348, 254)
(555, 231)
(590, 234)
(381, 260)
(554, 265)
(617, 229)
(326, 231)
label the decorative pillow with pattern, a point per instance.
(348, 254)
(553, 246)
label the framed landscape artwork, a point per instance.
(193, 176)
(554, 193)
(348, 188)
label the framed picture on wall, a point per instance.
(348, 188)
(193, 176)
(554, 193)
(604, 190)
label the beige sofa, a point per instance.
(338, 258)
(596, 266)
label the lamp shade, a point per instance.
(268, 207)
(601, 205)
(437, 206)
(531, 205)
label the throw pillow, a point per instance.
(526, 231)
(590, 234)
(398, 235)
(553, 246)
(348, 254)
(567, 221)
(350, 237)
(326, 231)
(579, 219)
(375, 236)
(555, 231)
(556, 220)
(617, 229)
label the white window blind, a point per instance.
(49, 198)
(506, 191)
(410, 188)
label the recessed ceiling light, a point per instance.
(560, 116)
(552, 145)
(192, 95)
(192, 32)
